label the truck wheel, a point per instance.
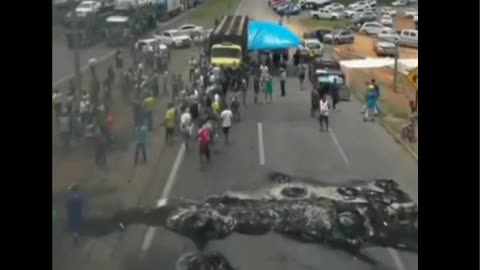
(316, 17)
(333, 18)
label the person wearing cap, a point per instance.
(283, 80)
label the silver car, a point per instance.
(383, 48)
(339, 37)
(371, 28)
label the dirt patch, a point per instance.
(363, 46)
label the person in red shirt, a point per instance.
(204, 142)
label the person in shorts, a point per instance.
(226, 117)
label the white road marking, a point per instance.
(396, 259)
(261, 149)
(147, 240)
(340, 149)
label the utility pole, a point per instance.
(395, 68)
(76, 52)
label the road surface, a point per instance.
(279, 136)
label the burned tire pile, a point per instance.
(374, 213)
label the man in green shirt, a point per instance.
(170, 121)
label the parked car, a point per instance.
(386, 20)
(356, 4)
(174, 38)
(400, 3)
(350, 13)
(324, 13)
(318, 33)
(152, 44)
(388, 34)
(335, 6)
(342, 36)
(371, 28)
(368, 16)
(408, 38)
(410, 13)
(385, 48)
(190, 29)
(314, 46)
(290, 10)
(314, 4)
(388, 11)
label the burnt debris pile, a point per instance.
(203, 261)
(366, 213)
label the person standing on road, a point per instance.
(170, 122)
(324, 108)
(100, 146)
(301, 75)
(256, 87)
(235, 105)
(226, 117)
(315, 101)
(371, 102)
(334, 94)
(154, 84)
(75, 205)
(192, 65)
(165, 82)
(64, 126)
(377, 93)
(148, 106)
(269, 89)
(141, 136)
(283, 80)
(204, 141)
(186, 126)
(119, 60)
(57, 100)
(243, 89)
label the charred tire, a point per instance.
(279, 178)
(333, 18)
(348, 193)
(294, 192)
(316, 17)
(386, 184)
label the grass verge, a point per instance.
(206, 12)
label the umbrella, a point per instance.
(271, 36)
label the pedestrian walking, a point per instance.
(186, 126)
(315, 101)
(283, 80)
(148, 106)
(109, 130)
(371, 102)
(119, 60)
(64, 126)
(243, 89)
(165, 83)
(235, 105)
(141, 136)
(100, 147)
(301, 75)
(170, 117)
(57, 101)
(154, 85)
(256, 88)
(192, 65)
(204, 141)
(75, 206)
(324, 108)
(226, 117)
(334, 94)
(269, 89)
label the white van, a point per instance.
(409, 38)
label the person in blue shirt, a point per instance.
(141, 135)
(75, 205)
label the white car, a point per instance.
(388, 34)
(371, 28)
(356, 4)
(86, 7)
(174, 38)
(326, 14)
(349, 13)
(335, 6)
(388, 11)
(410, 13)
(314, 46)
(400, 3)
(415, 18)
(151, 44)
(190, 29)
(386, 20)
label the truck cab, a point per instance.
(226, 54)
(117, 30)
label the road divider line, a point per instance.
(148, 239)
(340, 149)
(261, 149)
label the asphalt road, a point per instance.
(292, 143)
(280, 137)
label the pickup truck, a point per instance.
(325, 14)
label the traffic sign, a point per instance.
(413, 77)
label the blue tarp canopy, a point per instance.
(270, 36)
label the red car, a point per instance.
(276, 3)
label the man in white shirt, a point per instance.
(324, 108)
(226, 117)
(186, 126)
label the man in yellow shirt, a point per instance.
(148, 106)
(170, 117)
